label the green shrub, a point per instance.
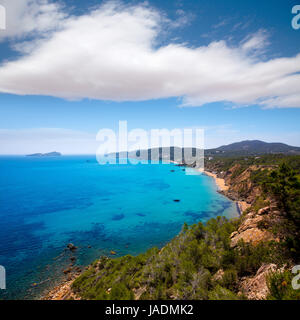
(229, 279)
(121, 292)
(220, 293)
(280, 286)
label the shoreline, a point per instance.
(222, 187)
(63, 290)
(219, 181)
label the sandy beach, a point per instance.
(220, 182)
(243, 205)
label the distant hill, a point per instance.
(50, 154)
(157, 154)
(253, 147)
(183, 155)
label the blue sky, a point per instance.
(230, 67)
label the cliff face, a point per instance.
(255, 227)
(256, 222)
(238, 180)
(240, 185)
(255, 288)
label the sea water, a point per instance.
(48, 202)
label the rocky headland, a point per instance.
(260, 217)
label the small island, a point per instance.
(49, 154)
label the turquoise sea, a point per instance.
(46, 203)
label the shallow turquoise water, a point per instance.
(45, 203)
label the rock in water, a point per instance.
(68, 270)
(71, 247)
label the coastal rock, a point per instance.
(250, 232)
(218, 275)
(253, 235)
(62, 292)
(233, 234)
(66, 271)
(264, 211)
(256, 288)
(240, 184)
(250, 223)
(73, 259)
(255, 226)
(71, 247)
(182, 164)
(69, 278)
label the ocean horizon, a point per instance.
(112, 210)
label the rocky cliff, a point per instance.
(257, 222)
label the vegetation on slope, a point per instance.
(200, 263)
(283, 185)
(186, 268)
(275, 177)
(253, 147)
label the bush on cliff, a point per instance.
(183, 269)
(283, 185)
(280, 286)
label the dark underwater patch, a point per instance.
(141, 214)
(196, 215)
(157, 184)
(96, 232)
(118, 217)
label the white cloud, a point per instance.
(111, 53)
(31, 18)
(256, 42)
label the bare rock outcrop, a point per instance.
(218, 275)
(256, 288)
(138, 292)
(62, 292)
(249, 230)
